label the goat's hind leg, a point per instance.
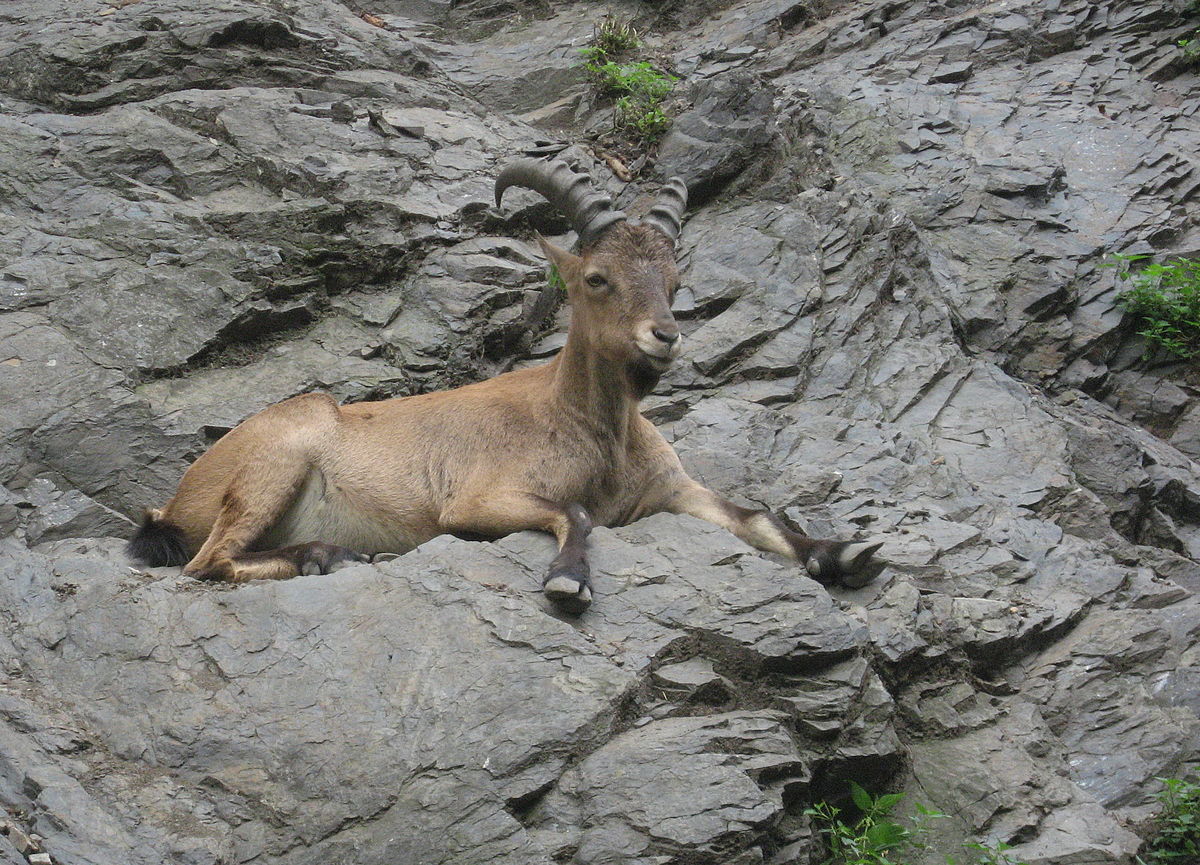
(253, 502)
(568, 582)
(849, 563)
(313, 557)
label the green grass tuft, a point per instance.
(612, 39)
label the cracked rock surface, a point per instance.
(897, 325)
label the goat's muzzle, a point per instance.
(660, 342)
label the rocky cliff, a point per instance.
(897, 325)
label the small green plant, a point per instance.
(1166, 299)
(638, 87)
(1190, 48)
(631, 78)
(641, 119)
(1178, 839)
(611, 39)
(876, 838)
(555, 281)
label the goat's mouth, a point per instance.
(659, 354)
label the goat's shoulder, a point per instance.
(316, 405)
(294, 420)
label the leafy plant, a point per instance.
(638, 87)
(631, 78)
(641, 90)
(1178, 838)
(1166, 298)
(641, 119)
(876, 838)
(1190, 48)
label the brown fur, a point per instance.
(543, 448)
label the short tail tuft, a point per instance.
(158, 543)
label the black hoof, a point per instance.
(846, 563)
(568, 589)
(569, 595)
(319, 558)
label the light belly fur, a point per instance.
(320, 514)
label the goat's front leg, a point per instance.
(851, 564)
(568, 582)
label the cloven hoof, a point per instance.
(570, 596)
(321, 558)
(849, 564)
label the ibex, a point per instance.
(307, 485)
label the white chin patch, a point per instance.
(657, 352)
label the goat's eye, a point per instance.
(595, 280)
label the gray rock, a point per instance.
(694, 681)
(1012, 791)
(1186, 436)
(9, 854)
(68, 515)
(638, 798)
(10, 514)
(729, 127)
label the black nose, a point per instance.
(667, 335)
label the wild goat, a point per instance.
(306, 485)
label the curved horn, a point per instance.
(590, 212)
(668, 210)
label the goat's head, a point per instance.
(623, 281)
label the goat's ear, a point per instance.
(568, 265)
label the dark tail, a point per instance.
(158, 543)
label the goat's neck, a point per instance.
(593, 387)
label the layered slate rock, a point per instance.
(314, 719)
(897, 325)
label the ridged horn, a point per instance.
(668, 210)
(590, 212)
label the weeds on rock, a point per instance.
(1178, 838)
(1166, 299)
(639, 88)
(642, 78)
(555, 282)
(876, 838)
(611, 39)
(1190, 49)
